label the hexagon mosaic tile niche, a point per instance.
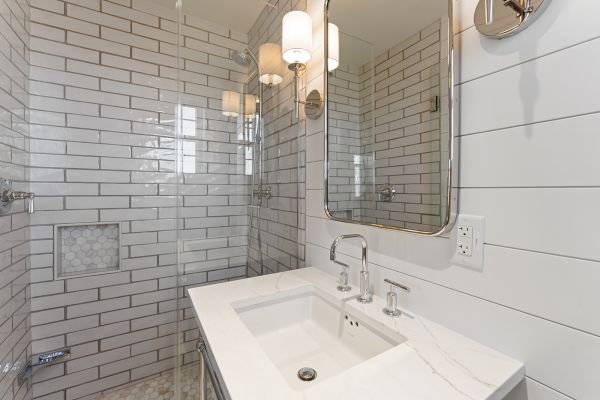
(87, 249)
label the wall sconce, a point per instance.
(333, 46)
(498, 19)
(230, 104)
(297, 51)
(297, 46)
(270, 65)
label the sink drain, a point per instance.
(307, 374)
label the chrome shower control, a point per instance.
(8, 196)
(392, 298)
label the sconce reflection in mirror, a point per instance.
(498, 19)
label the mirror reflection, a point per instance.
(388, 113)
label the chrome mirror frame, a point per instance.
(452, 192)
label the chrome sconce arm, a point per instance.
(313, 105)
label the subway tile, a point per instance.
(127, 289)
(97, 307)
(97, 281)
(127, 339)
(93, 360)
(99, 333)
(97, 176)
(100, 18)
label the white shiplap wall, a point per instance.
(529, 142)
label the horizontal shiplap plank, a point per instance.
(551, 220)
(535, 91)
(555, 153)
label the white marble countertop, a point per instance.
(434, 363)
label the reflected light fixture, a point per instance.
(230, 105)
(270, 65)
(250, 105)
(296, 38)
(333, 47)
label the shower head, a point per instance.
(244, 57)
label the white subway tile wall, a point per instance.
(104, 150)
(15, 278)
(529, 161)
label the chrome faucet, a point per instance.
(365, 296)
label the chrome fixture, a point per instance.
(386, 193)
(43, 360)
(392, 298)
(262, 192)
(307, 374)
(365, 296)
(344, 282)
(313, 106)
(498, 19)
(208, 374)
(298, 69)
(8, 196)
(244, 57)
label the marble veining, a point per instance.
(432, 363)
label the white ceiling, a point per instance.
(238, 15)
(383, 23)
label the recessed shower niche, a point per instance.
(87, 249)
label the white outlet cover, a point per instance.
(475, 261)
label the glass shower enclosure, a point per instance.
(159, 163)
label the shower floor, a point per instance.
(162, 387)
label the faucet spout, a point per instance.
(365, 295)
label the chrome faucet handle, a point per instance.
(344, 285)
(391, 308)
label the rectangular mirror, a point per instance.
(389, 129)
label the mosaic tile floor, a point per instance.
(162, 388)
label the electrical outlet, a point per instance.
(469, 239)
(464, 246)
(465, 231)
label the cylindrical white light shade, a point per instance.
(269, 59)
(333, 48)
(250, 105)
(230, 105)
(297, 37)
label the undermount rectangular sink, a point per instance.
(309, 329)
